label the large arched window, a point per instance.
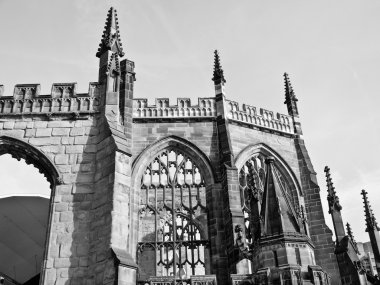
(173, 237)
(24, 210)
(252, 180)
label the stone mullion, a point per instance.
(191, 226)
(155, 225)
(234, 217)
(174, 227)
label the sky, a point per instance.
(331, 50)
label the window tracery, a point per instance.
(173, 218)
(252, 180)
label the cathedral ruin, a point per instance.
(202, 193)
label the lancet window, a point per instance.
(173, 238)
(252, 181)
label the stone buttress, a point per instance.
(372, 229)
(207, 192)
(347, 253)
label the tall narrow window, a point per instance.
(173, 219)
(251, 180)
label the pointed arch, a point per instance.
(177, 202)
(21, 150)
(253, 149)
(186, 146)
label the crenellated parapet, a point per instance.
(26, 99)
(259, 118)
(206, 107)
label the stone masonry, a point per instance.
(94, 148)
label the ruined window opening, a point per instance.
(252, 180)
(24, 212)
(173, 218)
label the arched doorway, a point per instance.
(24, 210)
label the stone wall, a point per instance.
(99, 158)
(71, 146)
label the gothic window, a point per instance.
(252, 180)
(173, 218)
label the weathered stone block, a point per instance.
(77, 132)
(66, 250)
(8, 125)
(45, 141)
(61, 207)
(61, 159)
(46, 132)
(74, 149)
(66, 217)
(67, 140)
(40, 124)
(60, 131)
(20, 125)
(13, 133)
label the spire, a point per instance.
(111, 38)
(289, 92)
(350, 235)
(334, 208)
(276, 213)
(369, 217)
(290, 97)
(372, 229)
(332, 198)
(218, 77)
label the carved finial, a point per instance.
(289, 92)
(332, 198)
(113, 64)
(111, 38)
(350, 234)
(218, 71)
(349, 231)
(369, 217)
(290, 97)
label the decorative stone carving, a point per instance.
(266, 119)
(63, 99)
(26, 91)
(162, 109)
(63, 90)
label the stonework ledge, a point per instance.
(123, 258)
(118, 135)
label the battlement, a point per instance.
(26, 99)
(262, 118)
(206, 107)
